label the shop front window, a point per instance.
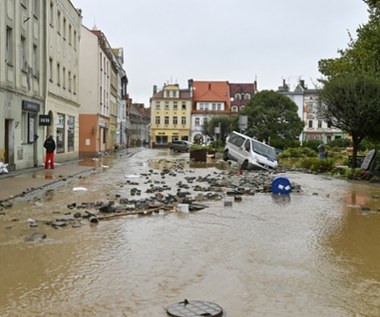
(70, 133)
(60, 133)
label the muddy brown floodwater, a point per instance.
(316, 253)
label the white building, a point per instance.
(307, 103)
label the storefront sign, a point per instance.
(30, 106)
(45, 120)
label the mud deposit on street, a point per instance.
(313, 253)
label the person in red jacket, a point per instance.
(49, 145)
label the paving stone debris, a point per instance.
(149, 195)
(171, 186)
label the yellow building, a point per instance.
(170, 115)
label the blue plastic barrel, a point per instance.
(281, 185)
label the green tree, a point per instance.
(351, 102)
(362, 54)
(227, 124)
(273, 118)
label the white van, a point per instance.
(249, 153)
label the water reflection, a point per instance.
(281, 199)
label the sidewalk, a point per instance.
(18, 182)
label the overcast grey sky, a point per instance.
(171, 41)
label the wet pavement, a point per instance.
(312, 253)
(23, 181)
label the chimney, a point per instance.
(154, 90)
(190, 84)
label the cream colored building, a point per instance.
(63, 27)
(170, 115)
(98, 93)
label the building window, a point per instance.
(70, 133)
(51, 14)
(24, 64)
(60, 130)
(70, 34)
(247, 96)
(329, 125)
(162, 140)
(237, 96)
(158, 106)
(197, 121)
(158, 120)
(70, 82)
(183, 105)
(310, 123)
(50, 69)
(35, 60)
(166, 120)
(58, 74)
(74, 84)
(175, 105)
(319, 124)
(166, 105)
(234, 109)
(59, 22)
(75, 40)
(9, 46)
(183, 120)
(175, 120)
(64, 78)
(64, 28)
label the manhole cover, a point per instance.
(194, 308)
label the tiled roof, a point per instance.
(211, 91)
(184, 94)
(242, 88)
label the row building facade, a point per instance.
(39, 53)
(181, 114)
(57, 78)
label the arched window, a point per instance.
(234, 109)
(237, 96)
(247, 96)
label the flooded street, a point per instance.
(316, 253)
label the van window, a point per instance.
(236, 139)
(247, 145)
(264, 150)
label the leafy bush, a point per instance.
(317, 165)
(297, 152)
(367, 145)
(340, 143)
(312, 144)
(358, 174)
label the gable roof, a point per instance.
(211, 91)
(242, 88)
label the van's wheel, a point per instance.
(244, 166)
(225, 155)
